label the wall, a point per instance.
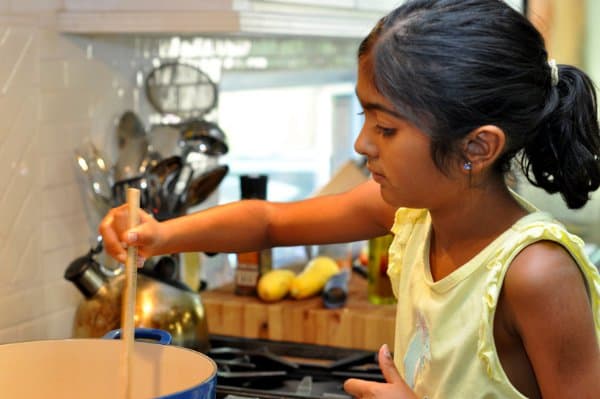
(54, 92)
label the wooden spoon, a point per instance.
(128, 300)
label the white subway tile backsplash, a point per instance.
(62, 137)
(9, 107)
(21, 103)
(57, 325)
(22, 306)
(87, 74)
(33, 330)
(21, 257)
(68, 231)
(59, 46)
(18, 187)
(58, 168)
(56, 90)
(8, 335)
(57, 294)
(61, 201)
(57, 106)
(53, 74)
(28, 258)
(15, 42)
(55, 262)
(23, 65)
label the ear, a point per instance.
(483, 146)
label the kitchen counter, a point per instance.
(359, 324)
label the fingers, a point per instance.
(144, 234)
(359, 388)
(116, 234)
(387, 366)
(145, 217)
(393, 388)
(112, 244)
(390, 372)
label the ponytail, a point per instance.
(563, 155)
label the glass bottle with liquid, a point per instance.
(252, 265)
(379, 287)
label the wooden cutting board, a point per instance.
(359, 324)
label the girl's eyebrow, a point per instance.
(377, 107)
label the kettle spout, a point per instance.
(85, 273)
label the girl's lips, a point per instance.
(378, 177)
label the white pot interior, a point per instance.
(91, 368)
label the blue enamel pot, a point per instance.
(91, 368)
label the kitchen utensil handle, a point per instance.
(128, 301)
(335, 291)
(160, 336)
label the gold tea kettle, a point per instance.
(161, 303)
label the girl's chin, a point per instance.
(388, 197)
(395, 199)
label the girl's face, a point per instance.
(398, 153)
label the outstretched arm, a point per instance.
(253, 224)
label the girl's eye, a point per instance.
(386, 131)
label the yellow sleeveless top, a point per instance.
(444, 343)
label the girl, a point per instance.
(495, 299)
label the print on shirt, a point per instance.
(418, 352)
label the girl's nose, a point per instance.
(363, 145)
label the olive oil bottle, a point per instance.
(379, 288)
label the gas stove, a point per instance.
(264, 369)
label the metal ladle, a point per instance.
(204, 185)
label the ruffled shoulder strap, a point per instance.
(409, 224)
(535, 227)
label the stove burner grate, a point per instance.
(263, 369)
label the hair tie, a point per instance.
(553, 72)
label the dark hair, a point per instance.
(451, 66)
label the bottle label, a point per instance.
(246, 275)
(251, 265)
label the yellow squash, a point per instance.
(314, 277)
(275, 284)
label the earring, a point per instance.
(467, 165)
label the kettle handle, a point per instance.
(160, 336)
